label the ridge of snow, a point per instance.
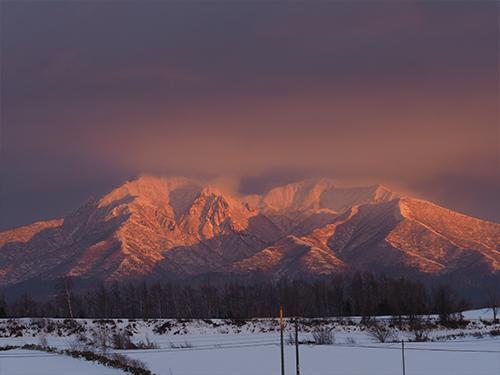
(319, 194)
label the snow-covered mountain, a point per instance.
(400, 236)
(305, 205)
(173, 228)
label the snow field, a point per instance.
(213, 348)
(28, 362)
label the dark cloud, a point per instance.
(250, 95)
(227, 44)
(464, 194)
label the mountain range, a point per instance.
(171, 228)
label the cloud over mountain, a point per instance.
(173, 228)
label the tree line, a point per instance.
(360, 294)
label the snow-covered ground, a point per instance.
(363, 358)
(211, 347)
(28, 362)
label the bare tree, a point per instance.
(115, 296)
(493, 296)
(100, 297)
(157, 295)
(3, 307)
(445, 300)
(419, 327)
(64, 292)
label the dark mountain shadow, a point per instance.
(215, 253)
(290, 260)
(315, 221)
(182, 198)
(359, 237)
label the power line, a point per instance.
(241, 344)
(420, 349)
(212, 347)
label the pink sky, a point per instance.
(249, 94)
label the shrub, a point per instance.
(237, 322)
(182, 345)
(419, 328)
(149, 344)
(100, 337)
(494, 332)
(379, 332)
(120, 361)
(44, 342)
(477, 335)
(350, 341)
(38, 323)
(122, 340)
(162, 329)
(79, 346)
(50, 326)
(72, 326)
(324, 337)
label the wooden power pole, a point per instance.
(297, 346)
(282, 344)
(403, 354)
(282, 341)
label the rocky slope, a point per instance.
(172, 228)
(402, 235)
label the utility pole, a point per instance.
(282, 344)
(403, 354)
(282, 341)
(297, 346)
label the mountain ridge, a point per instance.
(173, 228)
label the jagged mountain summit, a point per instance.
(300, 207)
(173, 228)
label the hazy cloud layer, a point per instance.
(249, 95)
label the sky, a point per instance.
(248, 95)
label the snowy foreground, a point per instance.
(216, 348)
